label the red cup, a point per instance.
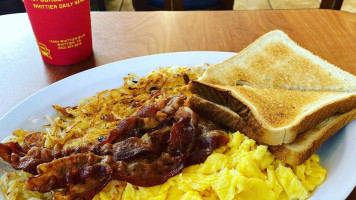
(62, 29)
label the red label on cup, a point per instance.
(62, 29)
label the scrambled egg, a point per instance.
(240, 170)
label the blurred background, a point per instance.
(16, 6)
(347, 5)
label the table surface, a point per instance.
(121, 35)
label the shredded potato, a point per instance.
(233, 171)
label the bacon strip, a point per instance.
(145, 150)
(34, 154)
(159, 111)
(6, 149)
(83, 168)
(124, 130)
(205, 145)
(16, 155)
(72, 169)
(92, 186)
(127, 149)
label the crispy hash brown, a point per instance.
(97, 115)
(235, 171)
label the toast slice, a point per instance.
(294, 153)
(275, 116)
(277, 93)
(276, 61)
(303, 147)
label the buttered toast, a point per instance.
(311, 140)
(294, 153)
(274, 60)
(276, 93)
(276, 116)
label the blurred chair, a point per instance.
(148, 5)
(102, 5)
(331, 4)
(97, 5)
(11, 6)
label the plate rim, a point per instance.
(341, 195)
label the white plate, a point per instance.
(338, 154)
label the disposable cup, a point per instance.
(62, 29)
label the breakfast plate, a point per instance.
(336, 155)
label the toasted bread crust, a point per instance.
(297, 152)
(213, 112)
(251, 127)
(278, 93)
(263, 132)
